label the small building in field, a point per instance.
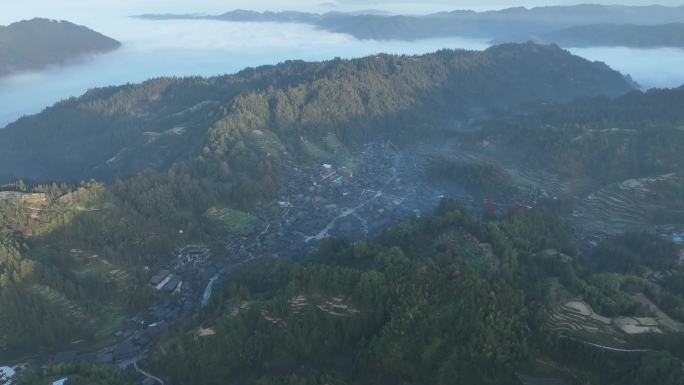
(347, 173)
(174, 284)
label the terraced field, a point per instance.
(614, 209)
(65, 305)
(576, 319)
(625, 206)
(334, 306)
(104, 319)
(94, 265)
(37, 214)
(268, 143)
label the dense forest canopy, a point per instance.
(445, 299)
(77, 375)
(478, 178)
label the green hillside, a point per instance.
(118, 131)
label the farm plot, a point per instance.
(576, 319)
(634, 204)
(235, 220)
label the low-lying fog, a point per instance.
(180, 48)
(659, 67)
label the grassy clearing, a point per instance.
(333, 143)
(235, 220)
(95, 266)
(110, 320)
(90, 267)
(314, 151)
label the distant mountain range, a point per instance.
(38, 43)
(117, 131)
(626, 35)
(508, 25)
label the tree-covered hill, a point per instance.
(37, 43)
(116, 131)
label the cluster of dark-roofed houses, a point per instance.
(166, 280)
(352, 196)
(320, 197)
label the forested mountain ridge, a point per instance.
(116, 131)
(37, 43)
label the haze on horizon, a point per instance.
(84, 10)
